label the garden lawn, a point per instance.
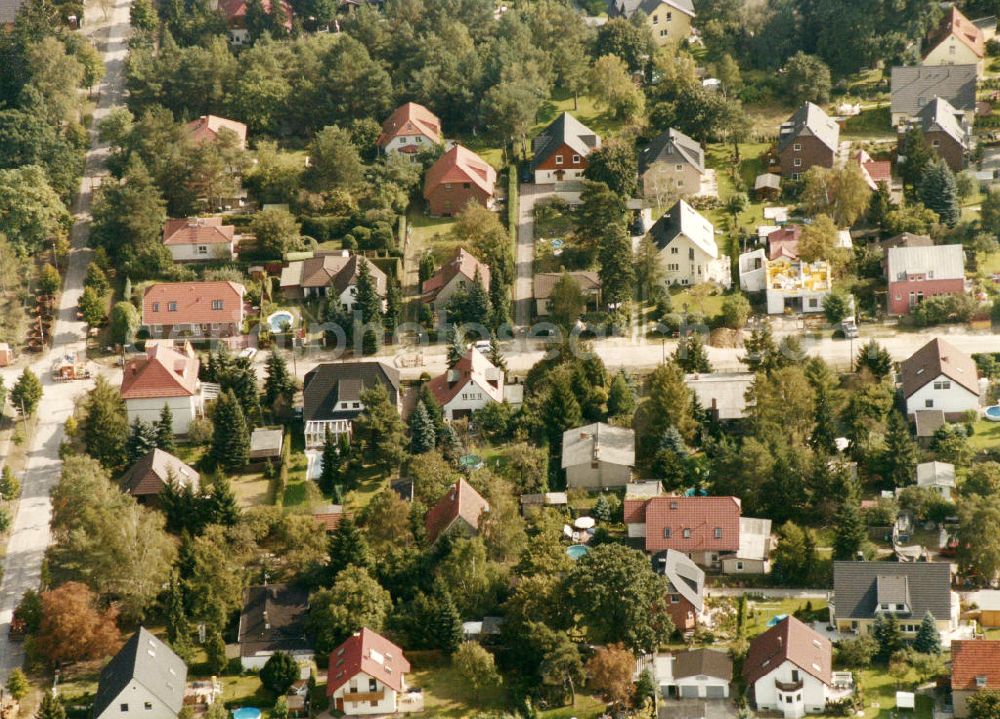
(763, 612)
(251, 490)
(709, 306)
(245, 690)
(586, 707)
(431, 233)
(987, 435)
(880, 695)
(446, 693)
(719, 158)
(872, 123)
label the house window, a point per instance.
(795, 675)
(946, 384)
(466, 185)
(690, 253)
(124, 707)
(216, 304)
(666, 532)
(675, 599)
(202, 249)
(447, 186)
(559, 159)
(797, 162)
(981, 681)
(171, 307)
(718, 532)
(656, 19)
(673, 250)
(813, 303)
(928, 403)
(670, 16)
(797, 147)
(935, 143)
(663, 33)
(576, 159)
(678, 167)
(739, 566)
(372, 684)
(951, 50)
(687, 534)
(419, 139)
(796, 176)
(356, 405)
(156, 307)
(148, 706)
(673, 505)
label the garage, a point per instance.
(715, 692)
(688, 692)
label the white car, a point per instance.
(248, 352)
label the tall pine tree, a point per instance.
(899, 460)
(279, 383)
(330, 471)
(928, 639)
(141, 439)
(230, 436)
(368, 308)
(423, 436)
(852, 534)
(165, 429)
(348, 547)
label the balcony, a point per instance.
(364, 696)
(787, 686)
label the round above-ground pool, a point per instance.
(275, 321)
(575, 551)
(993, 413)
(246, 713)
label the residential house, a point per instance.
(671, 166)
(460, 510)
(955, 41)
(946, 132)
(165, 376)
(408, 130)
(788, 669)
(939, 376)
(333, 275)
(753, 270)
(794, 286)
(8, 13)
(145, 677)
(560, 150)
(459, 177)
(588, 281)
(975, 667)
(810, 138)
(193, 309)
(199, 239)
(456, 274)
(939, 476)
(784, 242)
(273, 620)
(875, 172)
(864, 590)
(598, 456)
(669, 20)
(914, 87)
(209, 128)
(331, 395)
(471, 384)
(151, 473)
(685, 588)
(367, 675)
(906, 239)
(721, 394)
(235, 14)
(913, 273)
(694, 674)
(686, 245)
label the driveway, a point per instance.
(30, 535)
(697, 709)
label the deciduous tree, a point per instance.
(73, 628)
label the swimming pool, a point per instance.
(277, 319)
(575, 551)
(246, 713)
(993, 413)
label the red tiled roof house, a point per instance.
(459, 177)
(955, 41)
(235, 13)
(460, 509)
(456, 274)
(408, 130)
(208, 127)
(471, 384)
(366, 675)
(199, 239)
(193, 309)
(975, 667)
(165, 376)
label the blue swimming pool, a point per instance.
(277, 319)
(246, 713)
(993, 413)
(575, 551)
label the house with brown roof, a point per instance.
(955, 41)
(199, 239)
(788, 669)
(459, 177)
(939, 376)
(544, 283)
(165, 376)
(694, 674)
(408, 130)
(273, 620)
(367, 675)
(783, 243)
(235, 14)
(975, 667)
(471, 384)
(810, 138)
(208, 128)
(874, 171)
(151, 473)
(330, 275)
(193, 309)
(459, 510)
(458, 273)
(560, 150)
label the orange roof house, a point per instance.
(874, 171)
(195, 308)
(198, 238)
(458, 177)
(955, 41)
(461, 507)
(167, 375)
(975, 666)
(409, 129)
(459, 272)
(366, 675)
(207, 127)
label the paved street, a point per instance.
(30, 534)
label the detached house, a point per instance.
(975, 667)
(938, 376)
(544, 283)
(209, 128)
(199, 239)
(235, 13)
(165, 376)
(145, 678)
(669, 20)
(331, 395)
(685, 242)
(333, 275)
(459, 177)
(810, 138)
(946, 131)
(672, 165)
(151, 473)
(193, 309)
(456, 274)
(366, 675)
(471, 384)
(408, 130)
(598, 456)
(875, 172)
(694, 674)
(913, 273)
(955, 41)
(560, 150)
(273, 620)
(914, 87)
(459, 510)
(685, 588)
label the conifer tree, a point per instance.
(330, 471)
(824, 435)
(141, 439)
(177, 621)
(50, 708)
(422, 434)
(368, 308)
(456, 345)
(560, 412)
(900, 456)
(230, 436)
(928, 639)
(851, 533)
(222, 507)
(279, 382)
(381, 428)
(691, 355)
(495, 355)
(448, 622)
(165, 429)
(348, 547)
(621, 398)
(105, 426)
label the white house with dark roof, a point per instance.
(145, 678)
(597, 456)
(939, 376)
(695, 674)
(671, 166)
(685, 243)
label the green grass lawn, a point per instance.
(586, 707)
(708, 306)
(251, 490)
(987, 435)
(988, 263)
(880, 695)
(763, 612)
(446, 693)
(873, 122)
(720, 158)
(432, 233)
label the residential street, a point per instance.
(30, 534)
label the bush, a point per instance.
(200, 430)
(279, 673)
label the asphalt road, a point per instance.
(30, 534)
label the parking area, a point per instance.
(697, 709)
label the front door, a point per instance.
(340, 704)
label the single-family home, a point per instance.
(588, 281)
(794, 286)
(331, 395)
(328, 517)
(456, 274)
(939, 476)
(471, 384)
(193, 309)
(875, 172)
(165, 376)
(975, 667)
(598, 456)
(273, 620)
(408, 130)
(788, 669)
(864, 590)
(914, 87)
(685, 242)
(559, 152)
(460, 510)
(753, 270)
(906, 239)
(669, 20)
(721, 394)
(784, 242)
(199, 239)
(955, 41)
(694, 674)
(209, 128)
(685, 588)
(913, 273)
(940, 376)
(145, 677)
(333, 275)
(459, 177)
(235, 14)
(671, 166)
(945, 130)
(367, 675)
(151, 473)
(810, 138)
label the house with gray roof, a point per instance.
(273, 620)
(560, 150)
(810, 138)
(685, 588)
(946, 131)
(150, 474)
(685, 242)
(915, 273)
(331, 395)
(8, 12)
(668, 20)
(598, 456)
(865, 590)
(671, 166)
(145, 678)
(694, 674)
(939, 476)
(914, 87)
